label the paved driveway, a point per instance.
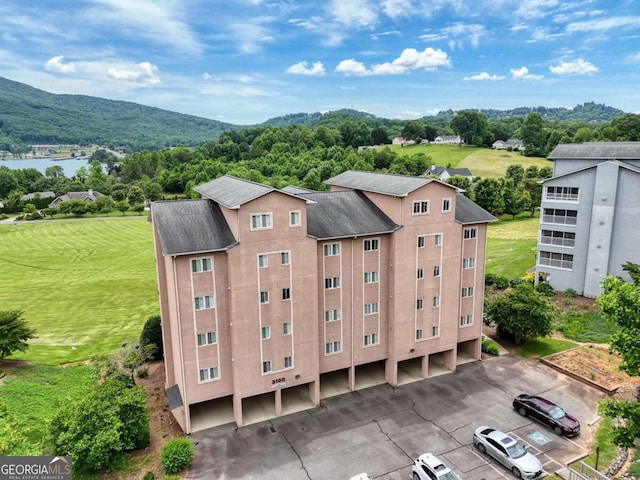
(381, 430)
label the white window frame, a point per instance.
(371, 277)
(332, 315)
(446, 205)
(288, 361)
(470, 233)
(331, 283)
(437, 239)
(286, 294)
(419, 304)
(420, 207)
(467, 292)
(560, 216)
(371, 339)
(562, 194)
(421, 241)
(208, 374)
(205, 302)
(555, 259)
(435, 331)
(371, 245)
(466, 320)
(436, 301)
(419, 334)
(333, 347)
(265, 332)
(371, 308)
(286, 328)
(199, 265)
(420, 273)
(285, 258)
(207, 338)
(261, 221)
(295, 218)
(555, 237)
(263, 261)
(331, 249)
(436, 270)
(264, 297)
(469, 263)
(266, 366)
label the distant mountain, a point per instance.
(32, 116)
(310, 119)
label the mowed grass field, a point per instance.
(482, 162)
(85, 286)
(511, 246)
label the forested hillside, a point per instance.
(32, 116)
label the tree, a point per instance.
(521, 313)
(104, 204)
(532, 135)
(460, 181)
(8, 181)
(152, 335)
(487, 193)
(123, 363)
(471, 126)
(135, 195)
(122, 206)
(516, 172)
(14, 333)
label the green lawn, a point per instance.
(511, 246)
(86, 286)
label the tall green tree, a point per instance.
(15, 333)
(487, 193)
(532, 134)
(471, 126)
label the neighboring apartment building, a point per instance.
(273, 299)
(589, 214)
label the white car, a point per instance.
(428, 467)
(508, 451)
(361, 476)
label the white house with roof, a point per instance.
(511, 144)
(448, 139)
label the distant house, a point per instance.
(443, 172)
(512, 143)
(88, 196)
(450, 139)
(34, 195)
(402, 141)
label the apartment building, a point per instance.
(274, 299)
(588, 215)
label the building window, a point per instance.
(421, 207)
(568, 194)
(202, 303)
(421, 241)
(264, 297)
(286, 293)
(469, 262)
(419, 304)
(470, 233)
(436, 270)
(333, 282)
(437, 240)
(332, 315)
(266, 366)
(559, 260)
(436, 301)
(370, 245)
(332, 347)
(467, 292)
(370, 308)
(371, 339)
(208, 338)
(263, 261)
(370, 277)
(466, 320)
(286, 328)
(562, 239)
(284, 258)
(200, 265)
(420, 273)
(560, 216)
(419, 334)
(266, 333)
(435, 331)
(260, 221)
(208, 373)
(288, 362)
(295, 219)
(446, 204)
(331, 249)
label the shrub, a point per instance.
(489, 279)
(149, 476)
(515, 281)
(490, 347)
(545, 289)
(152, 335)
(570, 292)
(501, 282)
(142, 372)
(177, 454)
(529, 278)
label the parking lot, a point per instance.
(381, 430)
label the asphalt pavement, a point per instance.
(381, 430)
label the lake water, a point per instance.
(70, 166)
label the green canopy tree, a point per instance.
(14, 333)
(471, 126)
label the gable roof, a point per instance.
(295, 190)
(232, 192)
(385, 183)
(438, 170)
(596, 150)
(191, 226)
(31, 196)
(620, 163)
(344, 214)
(468, 211)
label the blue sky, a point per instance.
(245, 61)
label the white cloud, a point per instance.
(352, 67)
(251, 36)
(604, 24)
(484, 76)
(579, 67)
(144, 72)
(354, 13)
(300, 68)
(397, 8)
(635, 57)
(460, 32)
(56, 64)
(522, 73)
(535, 8)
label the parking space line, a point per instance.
(488, 460)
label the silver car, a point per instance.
(508, 451)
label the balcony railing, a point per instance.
(552, 262)
(558, 241)
(559, 219)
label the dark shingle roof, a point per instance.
(344, 214)
(295, 190)
(620, 163)
(597, 150)
(232, 191)
(438, 170)
(470, 212)
(191, 226)
(387, 184)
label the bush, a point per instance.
(152, 335)
(3, 216)
(177, 454)
(570, 292)
(529, 278)
(489, 279)
(515, 281)
(142, 372)
(500, 282)
(545, 289)
(149, 476)
(490, 347)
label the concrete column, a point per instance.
(237, 410)
(278, 402)
(391, 372)
(314, 392)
